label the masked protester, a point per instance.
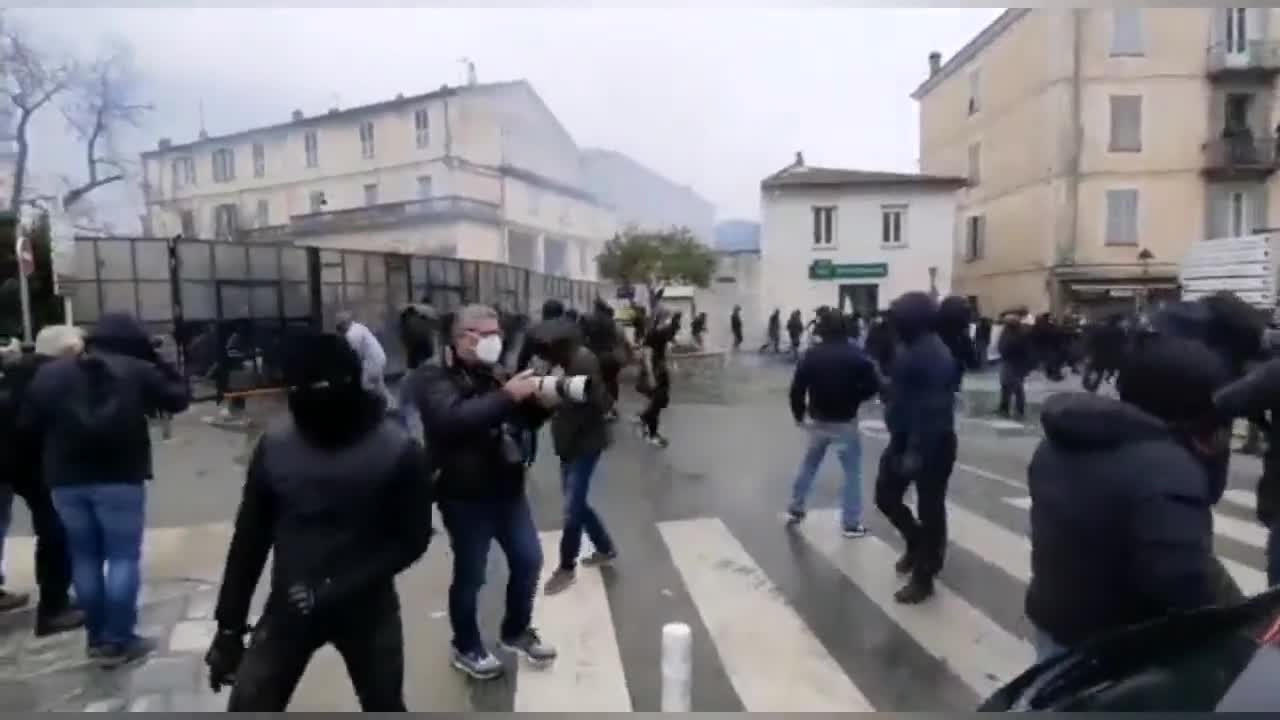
(1121, 499)
(655, 375)
(337, 494)
(608, 345)
(475, 419)
(922, 441)
(580, 432)
(735, 327)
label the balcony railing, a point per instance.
(1258, 56)
(391, 214)
(1245, 155)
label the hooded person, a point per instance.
(920, 417)
(954, 318)
(338, 495)
(1121, 499)
(603, 339)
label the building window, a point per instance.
(584, 259)
(555, 257)
(224, 165)
(824, 226)
(424, 187)
(975, 163)
(226, 221)
(1122, 217)
(317, 201)
(893, 225)
(975, 91)
(422, 127)
(187, 220)
(259, 160)
(1237, 30)
(311, 147)
(1126, 123)
(535, 201)
(1126, 31)
(263, 216)
(371, 194)
(1238, 213)
(184, 172)
(366, 139)
(975, 237)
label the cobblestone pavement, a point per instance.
(53, 674)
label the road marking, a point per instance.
(987, 474)
(1002, 548)
(974, 647)
(1251, 581)
(771, 657)
(587, 675)
(1249, 533)
(1246, 499)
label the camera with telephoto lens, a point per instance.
(572, 388)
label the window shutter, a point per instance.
(1126, 123)
(1122, 217)
(1126, 31)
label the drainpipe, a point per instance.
(1066, 251)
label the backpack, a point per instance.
(100, 413)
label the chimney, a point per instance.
(165, 143)
(297, 115)
(799, 159)
(204, 134)
(399, 96)
(333, 111)
(935, 62)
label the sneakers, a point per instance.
(10, 601)
(559, 581)
(795, 517)
(479, 664)
(57, 622)
(854, 531)
(530, 645)
(599, 559)
(657, 440)
(113, 656)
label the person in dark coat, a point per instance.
(1257, 396)
(606, 342)
(982, 341)
(795, 329)
(920, 418)
(954, 318)
(1017, 358)
(773, 332)
(735, 326)
(1121, 499)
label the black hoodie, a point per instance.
(1121, 525)
(924, 377)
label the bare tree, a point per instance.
(30, 80)
(102, 102)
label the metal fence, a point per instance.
(222, 309)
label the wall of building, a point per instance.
(736, 282)
(787, 248)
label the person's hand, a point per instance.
(223, 658)
(549, 402)
(301, 599)
(522, 386)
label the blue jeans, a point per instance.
(1273, 555)
(848, 444)
(575, 482)
(104, 528)
(472, 526)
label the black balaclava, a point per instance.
(552, 309)
(913, 315)
(322, 377)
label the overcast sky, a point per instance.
(715, 99)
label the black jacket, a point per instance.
(19, 449)
(473, 428)
(1016, 359)
(55, 409)
(1252, 396)
(831, 381)
(579, 429)
(923, 380)
(1121, 520)
(343, 521)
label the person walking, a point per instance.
(735, 327)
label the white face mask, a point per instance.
(489, 350)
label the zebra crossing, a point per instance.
(776, 657)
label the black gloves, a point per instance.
(301, 599)
(224, 658)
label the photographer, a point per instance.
(474, 419)
(580, 432)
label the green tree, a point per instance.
(46, 308)
(657, 260)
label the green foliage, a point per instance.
(657, 259)
(46, 308)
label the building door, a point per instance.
(861, 298)
(1237, 30)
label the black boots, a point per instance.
(918, 589)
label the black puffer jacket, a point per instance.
(1121, 525)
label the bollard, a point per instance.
(677, 667)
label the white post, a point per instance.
(677, 667)
(67, 317)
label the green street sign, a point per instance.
(827, 270)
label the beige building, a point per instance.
(1099, 143)
(483, 172)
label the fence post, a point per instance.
(677, 667)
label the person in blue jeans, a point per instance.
(91, 412)
(580, 432)
(474, 418)
(831, 381)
